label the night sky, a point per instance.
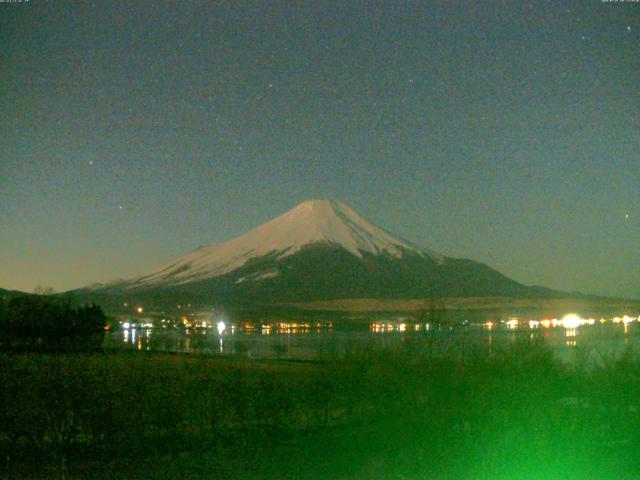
(505, 132)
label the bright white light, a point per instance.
(221, 327)
(125, 325)
(512, 323)
(533, 323)
(571, 320)
(139, 309)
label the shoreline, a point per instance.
(472, 303)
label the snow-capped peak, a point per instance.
(311, 222)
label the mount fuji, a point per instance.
(319, 250)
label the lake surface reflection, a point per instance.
(569, 335)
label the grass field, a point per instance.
(518, 414)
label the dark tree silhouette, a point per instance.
(44, 323)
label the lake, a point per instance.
(569, 335)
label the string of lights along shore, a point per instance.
(502, 132)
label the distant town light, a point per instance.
(571, 320)
(221, 327)
(139, 309)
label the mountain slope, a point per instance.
(311, 222)
(6, 294)
(319, 250)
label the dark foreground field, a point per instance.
(516, 415)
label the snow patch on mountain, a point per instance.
(258, 276)
(101, 285)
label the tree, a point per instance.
(45, 323)
(42, 290)
(432, 311)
